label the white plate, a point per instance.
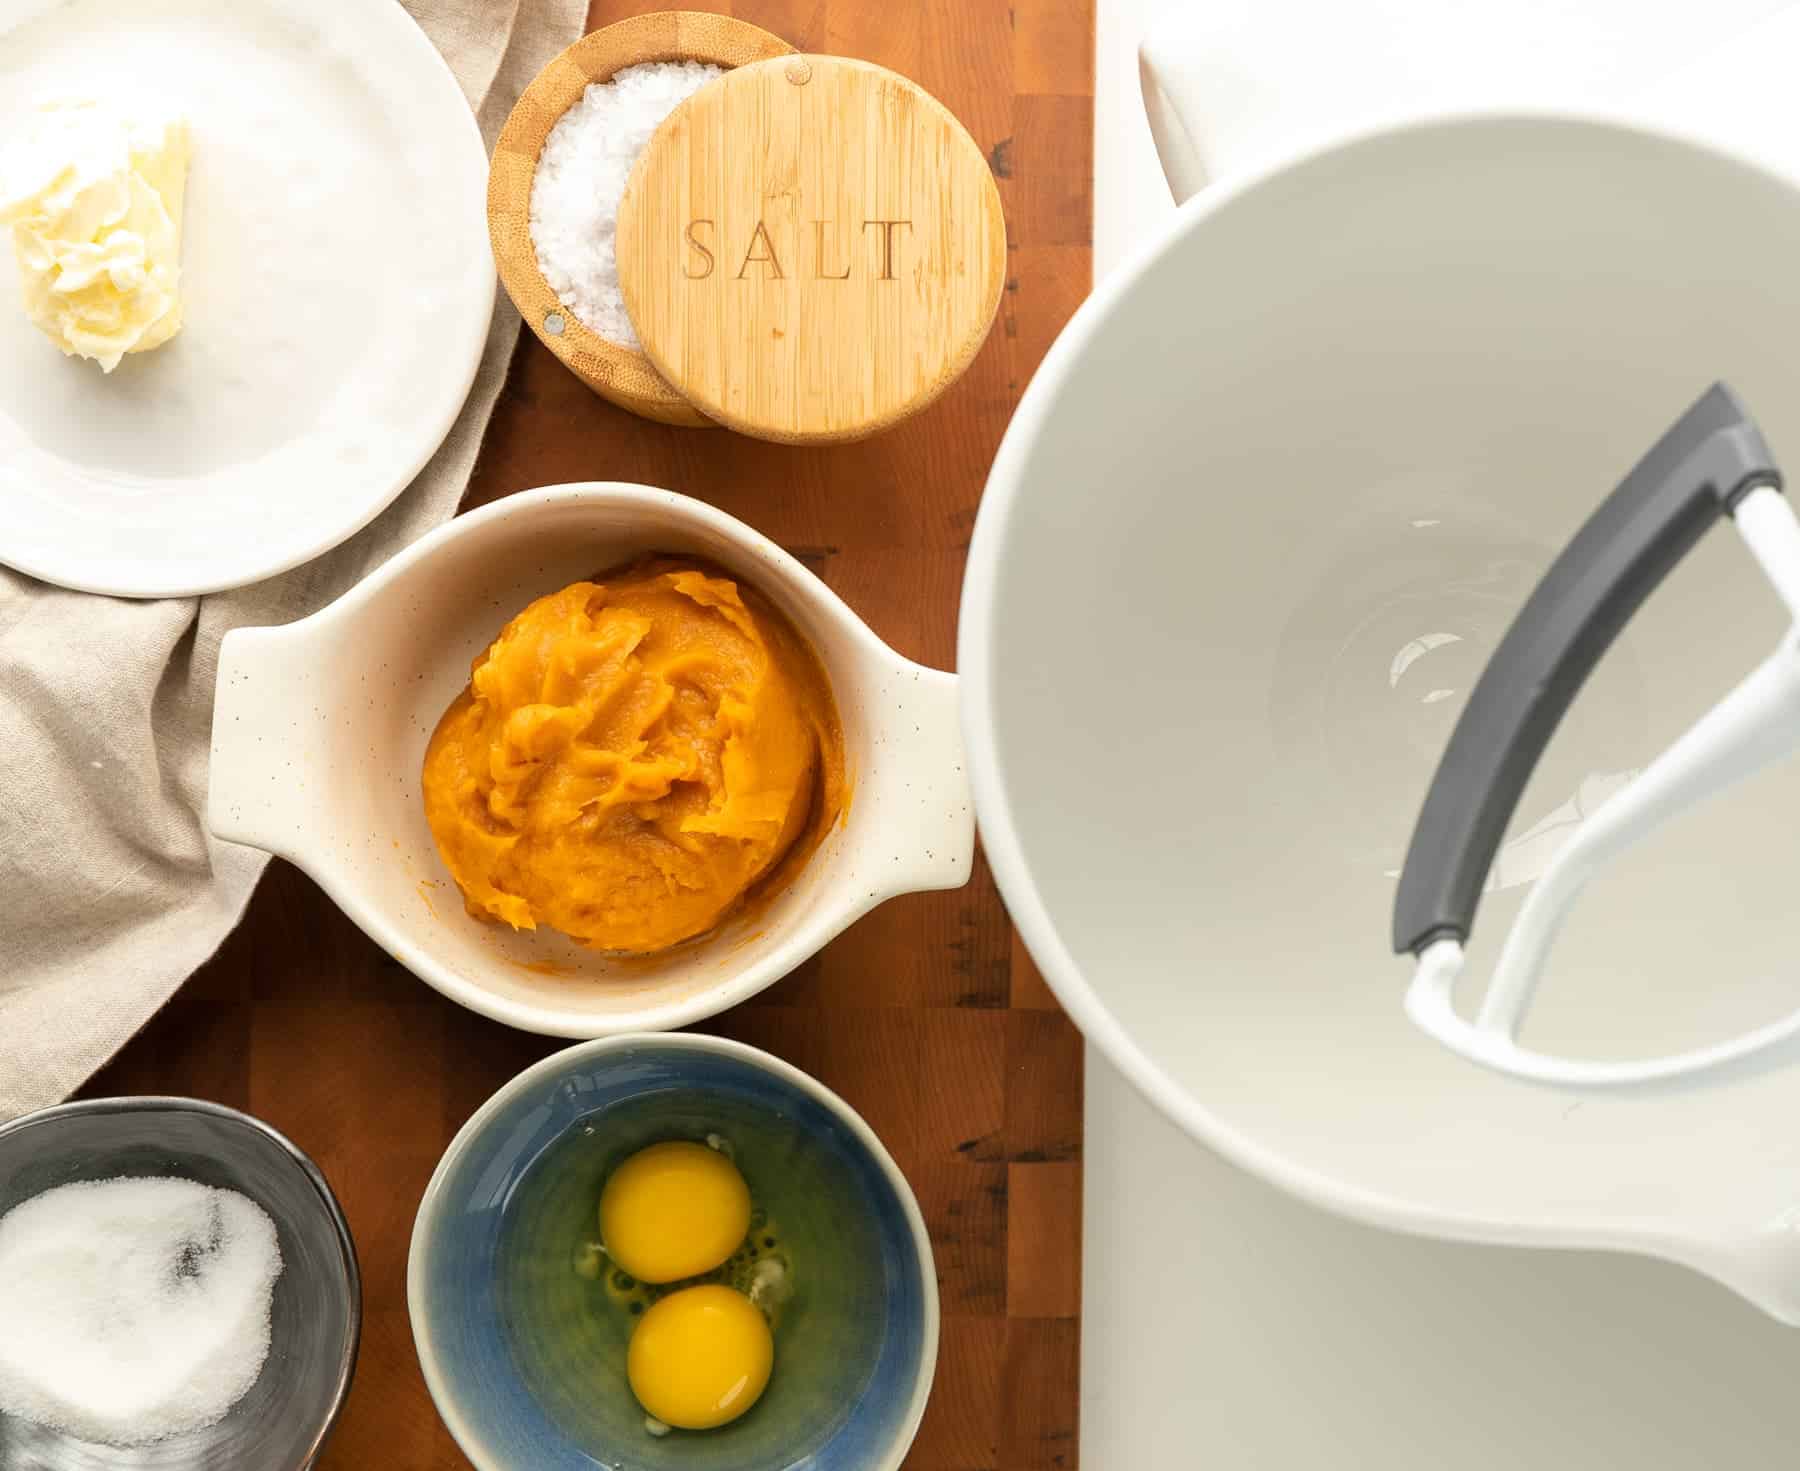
(338, 286)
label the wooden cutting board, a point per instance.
(927, 1016)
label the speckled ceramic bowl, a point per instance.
(316, 1315)
(320, 728)
(525, 1355)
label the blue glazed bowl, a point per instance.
(522, 1333)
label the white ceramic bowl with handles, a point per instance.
(1258, 525)
(320, 728)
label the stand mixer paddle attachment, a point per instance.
(1712, 463)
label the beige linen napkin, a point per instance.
(111, 890)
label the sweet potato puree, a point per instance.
(634, 756)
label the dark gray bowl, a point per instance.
(316, 1316)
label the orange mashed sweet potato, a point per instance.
(633, 757)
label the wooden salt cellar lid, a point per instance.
(811, 248)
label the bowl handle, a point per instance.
(915, 796)
(268, 764)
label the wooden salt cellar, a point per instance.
(612, 370)
(811, 248)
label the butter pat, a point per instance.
(94, 201)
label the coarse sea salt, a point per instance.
(132, 1310)
(581, 178)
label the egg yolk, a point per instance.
(673, 1211)
(700, 1357)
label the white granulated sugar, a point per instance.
(133, 1309)
(581, 178)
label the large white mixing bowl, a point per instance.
(1263, 515)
